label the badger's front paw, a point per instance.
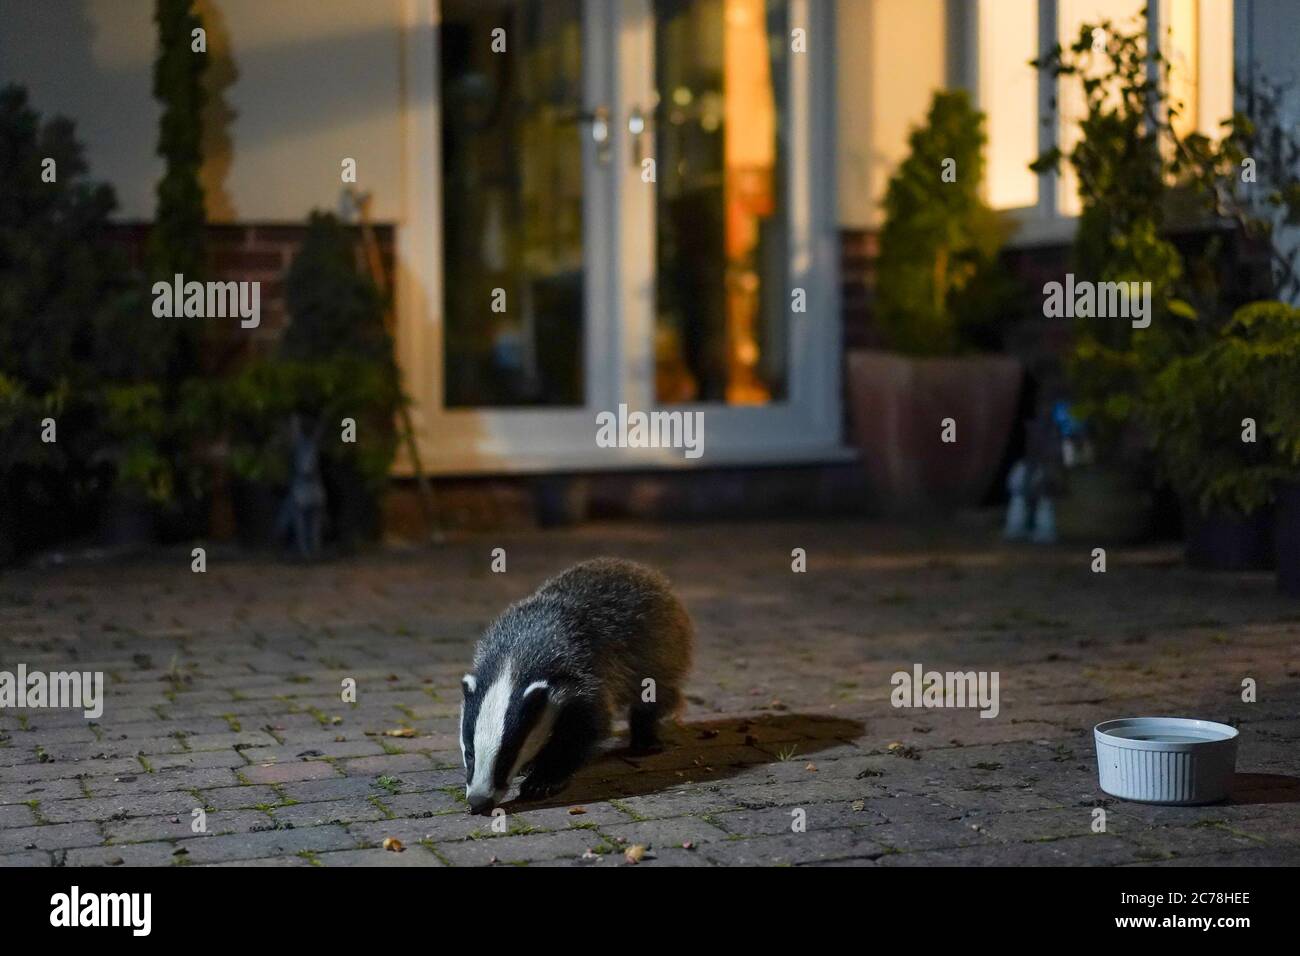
(539, 788)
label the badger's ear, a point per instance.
(556, 690)
(469, 683)
(533, 701)
(538, 690)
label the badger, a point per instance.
(604, 638)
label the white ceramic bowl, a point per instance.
(1175, 760)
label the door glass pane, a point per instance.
(720, 332)
(1008, 94)
(512, 202)
(1196, 36)
(1071, 17)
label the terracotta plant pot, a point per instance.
(256, 506)
(1106, 504)
(1287, 538)
(354, 511)
(129, 522)
(1222, 541)
(897, 407)
(561, 500)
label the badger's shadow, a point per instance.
(699, 751)
(1252, 788)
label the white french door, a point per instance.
(620, 202)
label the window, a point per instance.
(1196, 36)
(1071, 105)
(1008, 92)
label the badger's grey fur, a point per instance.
(555, 669)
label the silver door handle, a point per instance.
(598, 118)
(639, 123)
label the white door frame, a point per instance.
(619, 287)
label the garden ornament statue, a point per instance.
(302, 515)
(1017, 525)
(1044, 509)
(1033, 483)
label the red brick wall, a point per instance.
(1032, 338)
(255, 252)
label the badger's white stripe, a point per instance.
(461, 736)
(533, 686)
(470, 682)
(489, 730)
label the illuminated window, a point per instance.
(1070, 18)
(1008, 40)
(1196, 36)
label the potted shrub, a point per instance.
(62, 282)
(1216, 419)
(940, 297)
(142, 474)
(334, 362)
(1273, 353)
(338, 323)
(29, 467)
(1138, 176)
(1124, 185)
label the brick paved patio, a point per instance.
(224, 694)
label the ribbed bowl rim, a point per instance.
(1103, 733)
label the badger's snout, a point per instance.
(480, 802)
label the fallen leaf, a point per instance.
(393, 845)
(688, 845)
(634, 854)
(811, 766)
(577, 811)
(859, 805)
(589, 855)
(400, 732)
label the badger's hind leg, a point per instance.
(644, 717)
(577, 731)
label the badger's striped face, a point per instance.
(502, 728)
